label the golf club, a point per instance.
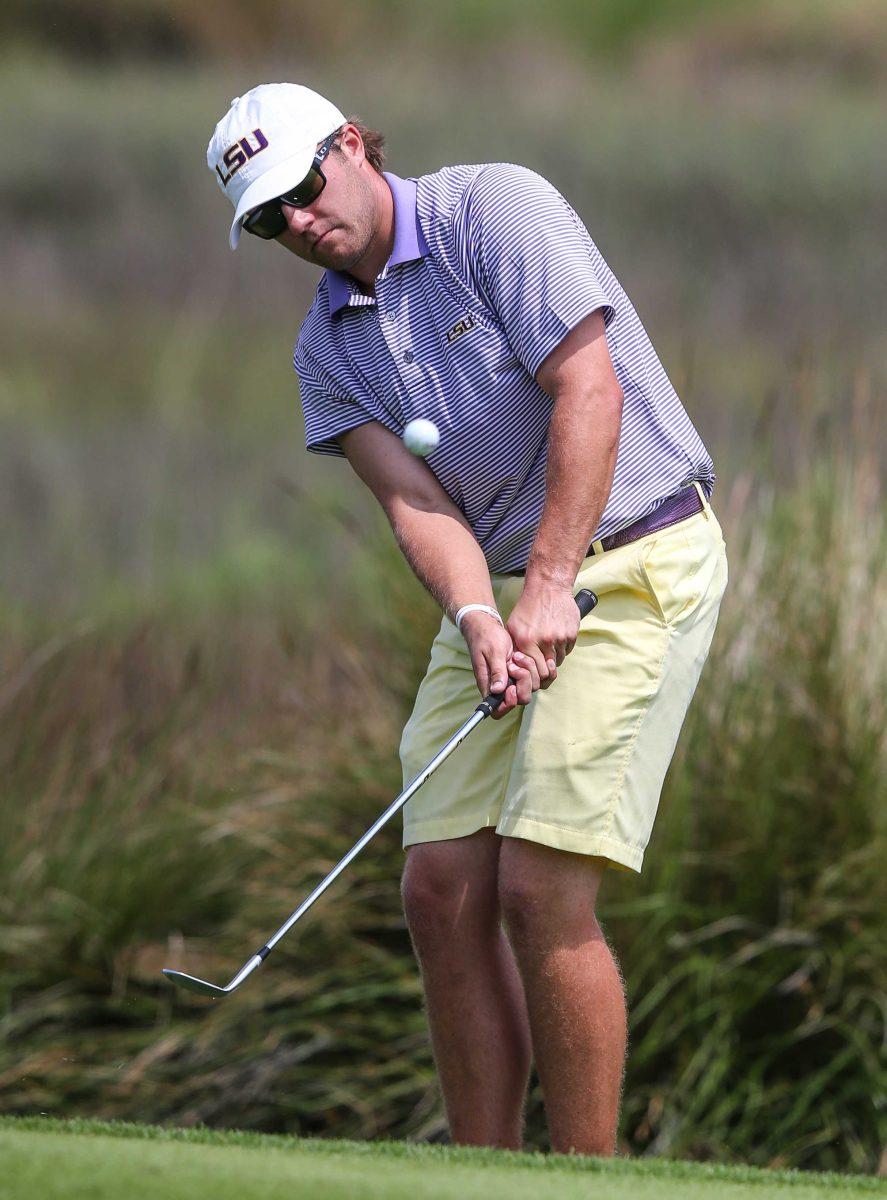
(586, 600)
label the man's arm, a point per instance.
(583, 439)
(431, 531)
(441, 548)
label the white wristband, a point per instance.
(467, 608)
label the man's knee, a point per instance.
(545, 892)
(528, 912)
(430, 897)
(446, 894)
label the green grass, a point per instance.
(57, 1160)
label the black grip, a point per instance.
(586, 600)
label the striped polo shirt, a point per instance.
(491, 268)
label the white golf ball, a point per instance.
(421, 437)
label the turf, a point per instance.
(93, 1160)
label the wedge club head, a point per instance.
(192, 984)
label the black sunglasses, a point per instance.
(268, 220)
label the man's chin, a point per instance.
(336, 258)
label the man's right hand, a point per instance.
(494, 659)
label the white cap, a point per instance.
(266, 142)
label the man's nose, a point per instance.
(299, 220)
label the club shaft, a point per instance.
(395, 805)
(586, 600)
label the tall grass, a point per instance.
(759, 972)
(174, 780)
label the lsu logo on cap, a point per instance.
(238, 154)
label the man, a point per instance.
(475, 297)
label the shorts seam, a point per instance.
(506, 775)
(696, 596)
(629, 749)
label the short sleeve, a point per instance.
(533, 260)
(327, 412)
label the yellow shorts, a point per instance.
(581, 766)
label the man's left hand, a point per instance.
(544, 625)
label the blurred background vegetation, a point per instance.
(209, 643)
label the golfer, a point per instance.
(474, 297)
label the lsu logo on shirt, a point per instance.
(238, 154)
(460, 328)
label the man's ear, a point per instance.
(351, 144)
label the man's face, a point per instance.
(337, 228)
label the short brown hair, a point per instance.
(373, 143)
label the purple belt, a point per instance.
(683, 504)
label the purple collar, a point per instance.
(409, 241)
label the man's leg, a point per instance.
(475, 1001)
(573, 988)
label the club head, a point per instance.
(202, 988)
(192, 984)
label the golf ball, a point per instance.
(421, 437)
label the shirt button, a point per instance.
(408, 356)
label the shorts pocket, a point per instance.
(670, 563)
